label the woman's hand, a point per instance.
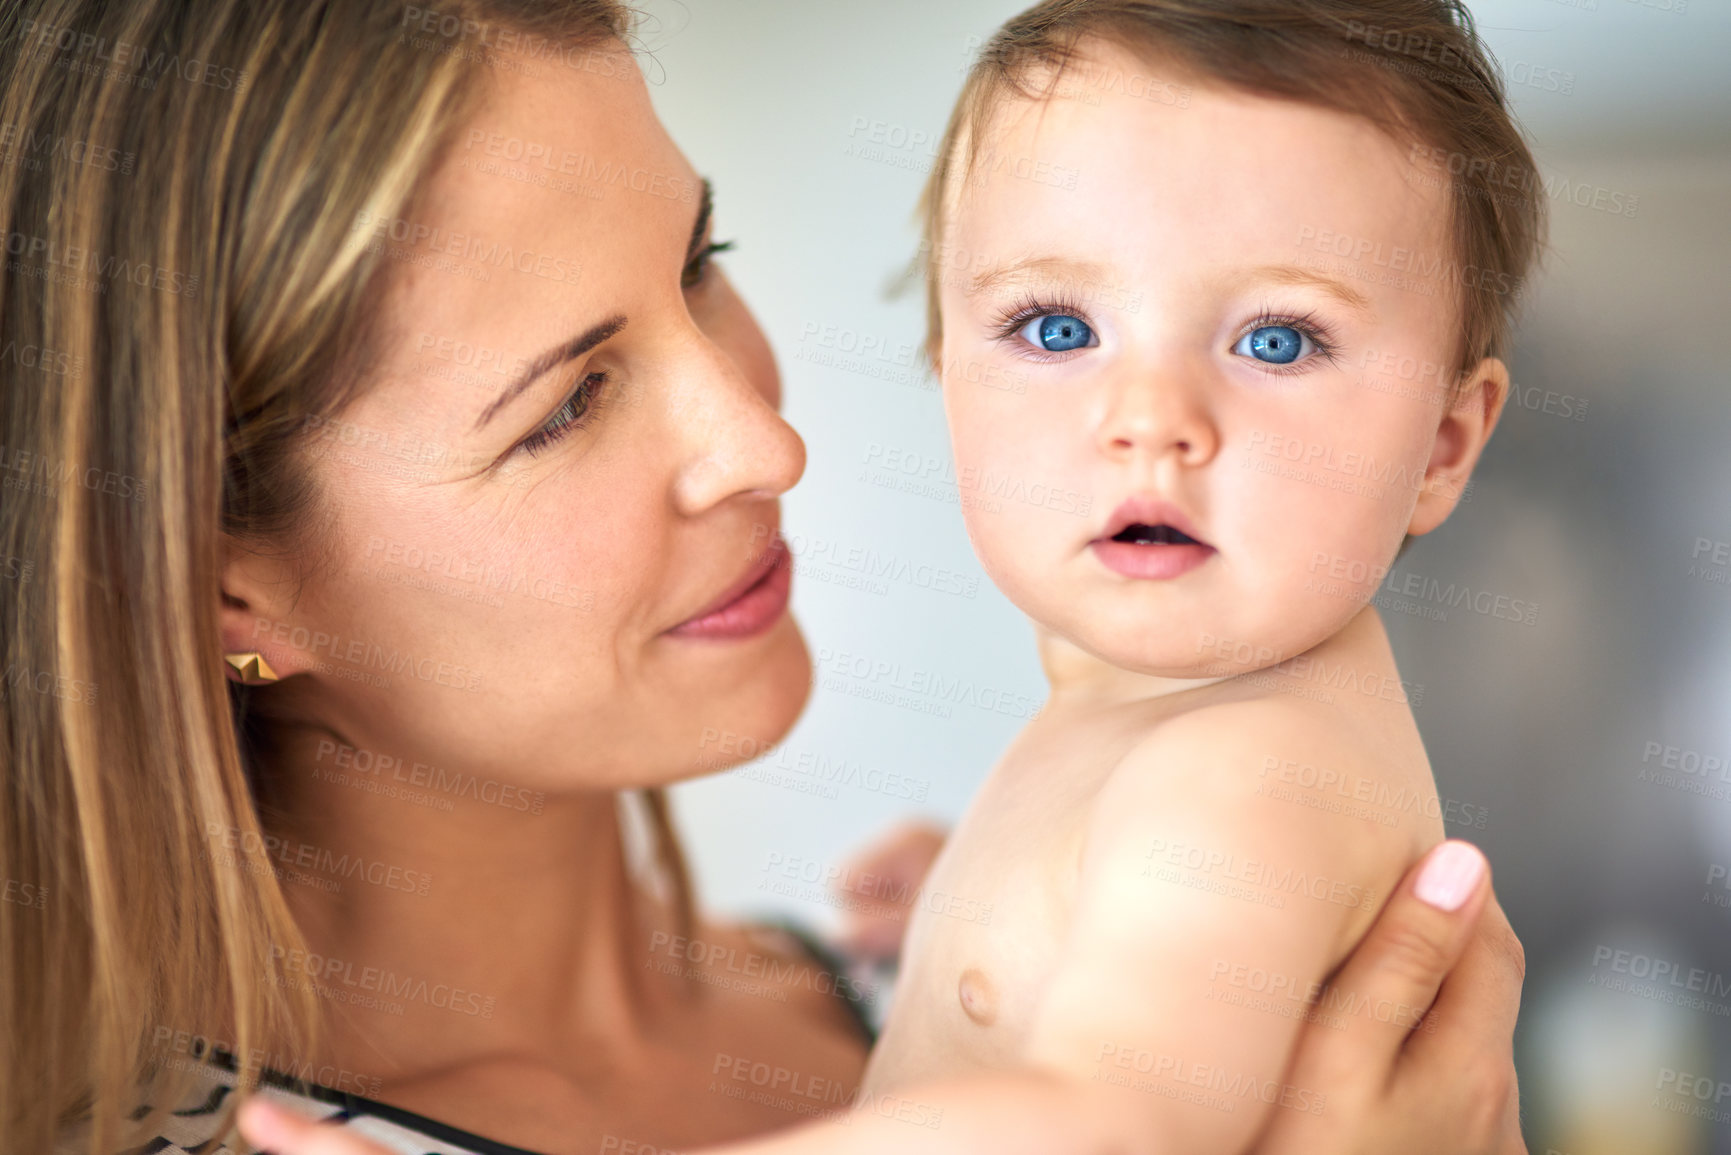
(873, 926)
(1447, 1085)
(281, 1131)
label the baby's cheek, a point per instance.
(1330, 573)
(999, 539)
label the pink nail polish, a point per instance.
(1450, 875)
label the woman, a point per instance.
(371, 358)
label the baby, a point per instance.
(1254, 263)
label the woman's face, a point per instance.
(562, 472)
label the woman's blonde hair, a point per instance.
(183, 293)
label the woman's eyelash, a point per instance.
(577, 411)
(581, 406)
(699, 264)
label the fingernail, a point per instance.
(264, 1123)
(1451, 875)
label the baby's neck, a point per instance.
(1078, 676)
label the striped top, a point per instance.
(192, 1129)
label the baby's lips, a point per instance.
(1145, 510)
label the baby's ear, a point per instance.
(1460, 437)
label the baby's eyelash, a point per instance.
(578, 411)
(1010, 321)
(1321, 335)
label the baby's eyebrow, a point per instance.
(1035, 269)
(1299, 275)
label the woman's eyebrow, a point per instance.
(569, 351)
(605, 331)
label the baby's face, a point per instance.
(1184, 427)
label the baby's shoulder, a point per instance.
(1214, 775)
(1221, 749)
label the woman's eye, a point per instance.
(1275, 344)
(569, 416)
(700, 264)
(1058, 333)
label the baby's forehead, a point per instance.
(1095, 157)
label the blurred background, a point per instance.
(1596, 741)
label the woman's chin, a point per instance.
(750, 714)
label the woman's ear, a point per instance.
(257, 599)
(1460, 437)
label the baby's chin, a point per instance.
(1154, 656)
(1200, 628)
(1139, 643)
(1192, 643)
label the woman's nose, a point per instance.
(733, 443)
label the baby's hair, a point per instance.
(1415, 68)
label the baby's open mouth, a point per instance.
(1143, 540)
(1139, 534)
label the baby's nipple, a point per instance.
(979, 997)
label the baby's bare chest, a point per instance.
(987, 930)
(996, 912)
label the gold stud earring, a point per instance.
(253, 669)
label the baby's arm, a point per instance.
(1188, 877)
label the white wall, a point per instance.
(767, 99)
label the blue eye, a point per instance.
(1058, 333)
(1275, 344)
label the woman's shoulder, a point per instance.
(196, 1125)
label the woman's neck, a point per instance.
(447, 922)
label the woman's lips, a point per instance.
(755, 602)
